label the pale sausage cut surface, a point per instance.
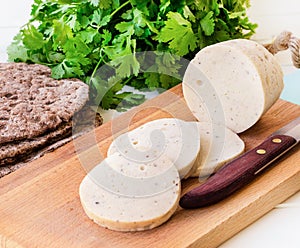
(126, 195)
(233, 83)
(178, 140)
(218, 145)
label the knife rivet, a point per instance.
(261, 151)
(277, 141)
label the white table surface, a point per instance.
(280, 227)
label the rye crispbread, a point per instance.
(14, 155)
(32, 103)
(38, 113)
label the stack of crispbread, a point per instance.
(36, 112)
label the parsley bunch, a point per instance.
(75, 38)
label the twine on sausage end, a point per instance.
(285, 41)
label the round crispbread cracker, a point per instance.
(32, 103)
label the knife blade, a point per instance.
(242, 170)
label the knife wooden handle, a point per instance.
(237, 173)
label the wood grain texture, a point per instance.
(40, 206)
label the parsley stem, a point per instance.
(122, 6)
(127, 80)
(97, 66)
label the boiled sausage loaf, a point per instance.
(233, 83)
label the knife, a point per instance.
(242, 170)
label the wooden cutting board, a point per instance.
(40, 206)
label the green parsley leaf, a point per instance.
(33, 39)
(107, 36)
(179, 34)
(17, 52)
(61, 33)
(208, 23)
(126, 63)
(104, 4)
(95, 2)
(88, 35)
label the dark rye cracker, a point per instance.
(13, 152)
(14, 155)
(32, 103)
(38, 114)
